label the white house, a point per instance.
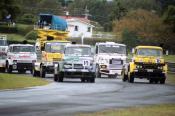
(79, 27)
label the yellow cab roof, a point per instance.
(151, 47)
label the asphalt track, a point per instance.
(73, 97)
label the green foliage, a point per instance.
(169, 16)
(24, 29)
(32, 35)
(27, 19)
(9, 7)
(8, 29)
(129, 38)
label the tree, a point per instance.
(169, 17)
(9, 7)
(146, 25)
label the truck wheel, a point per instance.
(9, 68)
(42, 72)
(131, 78)
(61, 77)
(97, 72)
(162, 81)
(92, 80)
(2, 70)
(124, 77)
(83, 80)
(55, 77)
(151, 81)
(156, 81)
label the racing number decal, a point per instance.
(86, 63)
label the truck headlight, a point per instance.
(67, 66)
(14, 61)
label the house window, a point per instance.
(89, 29)
(76, 28)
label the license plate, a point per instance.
(150, 70)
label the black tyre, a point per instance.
(9, 68)
(55, 77)
(131, 79)
(83, 80)
(35, 73)
(42, 72)
(151, 80)
(2, 70)
(61, 77)
(97, 72)
(156, 81)
(162, 81)
(124, 77)
(92, 80)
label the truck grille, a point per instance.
(78, 66)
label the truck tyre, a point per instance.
(42, 72)
(61, 77)
(124, 76)
(162, 81)
(151, 80)
(83, 80)
(92, 80)
(55, 77)
(97, 72)
(9, 68)
(2, 70)
(131, 78)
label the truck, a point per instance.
(20, 57)
(147, 63)
(78, 62)
(52, 34)
(3, 52)
(109, 58)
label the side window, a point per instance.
(89, 29)
(10, 49)
(76, 28)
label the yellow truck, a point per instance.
(147, 62)
(49, 44)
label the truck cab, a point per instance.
(78, 62)
(3, 52)
(51, 39)
(147, 62)
(20, 57)
(109, 58)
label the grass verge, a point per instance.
(169, 58)
(171, 78)
(154, 110)
(13, 81)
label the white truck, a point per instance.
(20, 57)
(78, 62)
(110, 58)
(3, 52)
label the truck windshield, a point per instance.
(3, 43)
(23, 49)
(77, 50)
(112, 49)
(56, 47)
(149, 52)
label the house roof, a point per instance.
(81, 19)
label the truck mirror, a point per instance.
(133, 50)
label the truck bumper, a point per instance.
(111, 72)
(148, 73)
(77, 73)
(22, 66)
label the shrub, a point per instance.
(32, 35)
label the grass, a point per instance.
(14, 81)
(169, 58)
(171, 78)
(154, 110)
